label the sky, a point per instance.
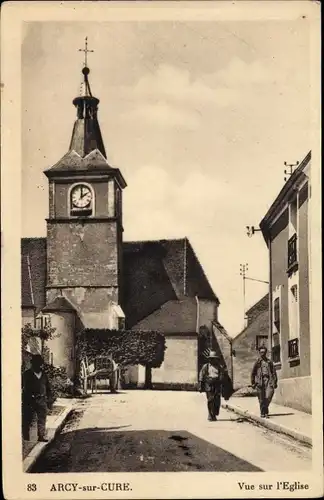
(199, 117)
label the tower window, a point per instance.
(118, 209)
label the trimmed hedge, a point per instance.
(127, 347)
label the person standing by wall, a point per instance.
(264, 380)
(36, 397)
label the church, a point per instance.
(83, 273)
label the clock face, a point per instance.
(81, 196)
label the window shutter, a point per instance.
(275, 339)
(276, 313)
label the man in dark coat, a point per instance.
(214, 380)
(264, 380)
(36, 397)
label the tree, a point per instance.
(43, 334)
(126, 347)
(59, 381)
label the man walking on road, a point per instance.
(36, 397)
(264, 379)
(210, 381)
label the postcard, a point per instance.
(161, 250)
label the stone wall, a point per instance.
(92, 304)
(81, 255)
(246, 353)
(28, 316)
(62, 346)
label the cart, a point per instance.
(102, 368)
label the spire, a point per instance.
(86, 135)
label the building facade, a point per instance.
(286, 230)
(248, 341)
(83, 275)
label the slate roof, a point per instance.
(260, 326)
(154, 272)
(26, 283)
(86, 135)
(94, 162)
(180, 263)
(59, 304)
(86, 151)
(257, 308)
(33, 272)
(222, 330)
(158, 271)
(72, 160)
(258, 319)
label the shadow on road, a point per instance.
(99, 450)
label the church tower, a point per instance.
(84, 227)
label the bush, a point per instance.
(60, 383)
(30, 335)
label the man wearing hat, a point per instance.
(210, 381)
(264, 380)
(36, 398)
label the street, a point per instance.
(146, 431)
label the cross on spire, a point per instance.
(86, 50)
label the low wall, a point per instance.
(164, 386)
(295, 393)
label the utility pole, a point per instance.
(243, 270)
(291, 169)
